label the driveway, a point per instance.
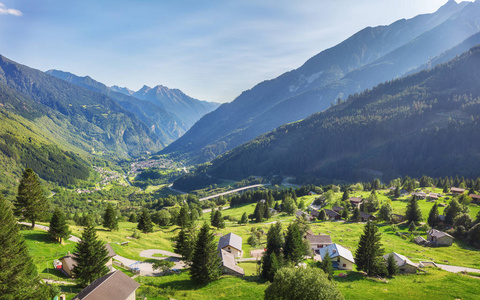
(176, 258)
(456, 269)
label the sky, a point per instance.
(211, 50)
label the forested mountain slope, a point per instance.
(369, 57)
(426, 123)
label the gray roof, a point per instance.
(113, 286)
(355, 199)
(337, 208)
(335, 250)
(438, 234)
(400, 260)
(228, 261)
(365, 215)
(231, 240)
(111, 252)
(319, 239)
(69, 261)
(331, 213)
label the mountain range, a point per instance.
(423, 124)
(371, 56)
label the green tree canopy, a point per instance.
(433, 216)
(327, 266)
(413, 213)
(30, 203)
(205, 261)
(293, 250)
(145, 222)
(369, 252)
(386, 212)
(58, 229)
(110, 218)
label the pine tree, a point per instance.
(110, 219)
(132, 218)
(327, 266)
(355, 215)
(345, 195)
(205, 261)
(244, 219)
(266, 212)
(272, 259)
(412, 226)
(218, 220)
(58, 229)
(30, 203)
(293, 249)
(433, 216)
(90, 257)
(413, 213)
(386, 212)
(392, 268)
(145, 222)
(345, 214)
(18, 276)
(369, 251)
(259, 212)
(183, 217)
(397, 192)
(452, 210)
(322, 216)
(185, 243)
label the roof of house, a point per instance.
(228, 261)
(300, 213)
(314, 213)
(231, 240)
(335, 250)
(420, 194)
(433, 195)
(438, 234)
(111, 252)
(420, 239)
(400, 260)
(365, 215)
(337, 208)
(113, 286)
(331, 213)
(355, 199)
(473, 196)
(69, 261)
(457, 190)
(319, 239)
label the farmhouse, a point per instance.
(475, 198)
(113, 286)
(404, 264)
(366, 216)
(314, 213)
(432, 196)
(318, 241)
(68, 263)
(337, 209)
(420, 195)
(457, 191)
(332, 215)
(355, 201)
(229, 265)
(439, 237)
(341, 258)
(231, 243)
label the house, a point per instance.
(332, 215)
(341, 257)
(404, 264)
(68, 263)
(398, 218)
(229, 265)
(337, 209)
(314, 213)
(475, 198)
(420, 240)
(438, 237)
(300, 213)
(366, 216)
(231, 243)
(457, 191)
(113, 286)
(420, 195)
(432, 196)
(355, 201)
(318, 241)
(312, 193)
(272, 211)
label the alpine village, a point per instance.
(355, 175)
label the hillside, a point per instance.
(164, 124)
(371, 56)
(426, 123)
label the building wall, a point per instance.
(234, 251)
(131, 297)
(445, 241)
(341, 262)
(109, 264)
(66, 269)
(407, 269)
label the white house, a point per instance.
(113, 286)
(404, 264)
(341, 257)
(231, 243)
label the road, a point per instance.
(456, 269)
(234, 191)
(172, 189)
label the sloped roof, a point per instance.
(228, 261)
(355, 199)
(69, 261)
(457, 190)
(473, 196)
(231, 240)
(438, 234)
(400, 260)
(337, 208)
(111, 252)
(365, 215)
(319, 239)
(113, 286)
(331, 213)
(335, 250)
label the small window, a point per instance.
(344, 265)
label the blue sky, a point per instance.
(211, 50)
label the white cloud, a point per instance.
(9, 11)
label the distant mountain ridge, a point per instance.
(371, 56)
(426, 123)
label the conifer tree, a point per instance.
(413, 213)
(272, 259)
(452, 210)
(327, 266)
(433, 216)
(345, 214)
(183, 217)
(392, 268)
(294, 249)
(412, 226)
(369, 252)
(397, 192)
(205, 261)
(185, 243)
(132, 218)
(110, 219)
(18, 274)
(218, 220)
(30, 203)
(386, 212)
(90, 257)
(259, 212)
(244, 219)
(345, 195)
(145, 222)
(355, 215)
(322, 216)
(266, 212)
(58, 229)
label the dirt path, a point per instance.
(457, 269)
(234, 191)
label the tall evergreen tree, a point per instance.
(30, 203)
(433, 216)
(244, 219)
(413, 213)
(322, 216)
(392, 268)
(327, 266)
(205, 261)
(183, 217)
(259, 212)
(386, 212)
(58, 229)
(132, 218)
(90, 257)
(369, 252)
(218, 220)
(272, 260)
(294, 249)
(110, 218)
(18, 274)
(185, 243)
(345, 214)
(452, 210)
(396, 194)
(355, 215)
(145, 222)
